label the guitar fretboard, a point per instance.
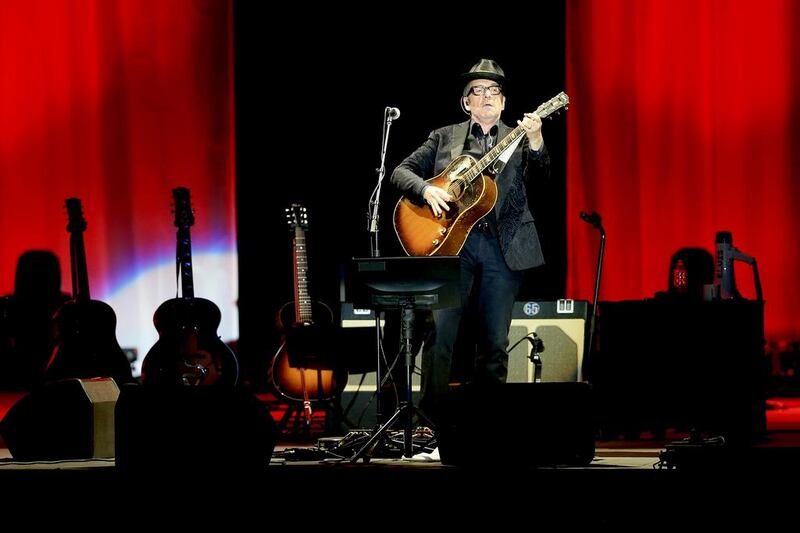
(185, 261)
(303, 307)
(77, 251)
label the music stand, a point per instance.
(405, 283)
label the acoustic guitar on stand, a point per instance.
(303, 369)
(188, 351)
(85, 329)
(474, 194)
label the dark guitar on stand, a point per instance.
(85, 329)
(302, 369)
(421, 233)
(188, 351)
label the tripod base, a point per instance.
(405, 410)
(404, 283)
(398, 443)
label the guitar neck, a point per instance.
(301, 297)
(80, 276)
(495, 152)
(184, 258)
(544, 110)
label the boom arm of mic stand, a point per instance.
(757, 281)
(750, 260)
(599, 273)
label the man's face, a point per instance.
(487, 106)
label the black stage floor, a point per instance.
(638, 484)
(625, 487)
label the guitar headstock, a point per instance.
(297, 217)
(561, 100)
(76, 221)
(184, 215)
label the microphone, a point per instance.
(536, 342)
(392, 113)
(537, 347)
(593, 219)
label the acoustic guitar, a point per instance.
(85, 329)
(188, 351)
(474, 194)
(303, 368)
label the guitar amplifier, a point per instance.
(561, 325)
(353, 317)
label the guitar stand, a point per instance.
(297, 421)
(405, 410)
(295, 412)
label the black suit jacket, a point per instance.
(518, 237)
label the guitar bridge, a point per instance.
(195, 374)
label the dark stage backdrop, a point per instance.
(685, 122)
(117, 102)
(309, 120)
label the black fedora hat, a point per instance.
(485, 69)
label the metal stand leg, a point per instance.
(406, 407)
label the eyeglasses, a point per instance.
(492, 90)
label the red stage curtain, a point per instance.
(116, 103)
(684, 121)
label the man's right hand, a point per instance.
(436, 198)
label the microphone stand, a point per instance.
(756, 278)
(537, 347)
(375, 201)
(595, 220)
(374, 207)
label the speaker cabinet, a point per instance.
(685, 364)
(68, 419)
(530, 424)
(192, 430)
(561, 325)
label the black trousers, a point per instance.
(491, 287)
